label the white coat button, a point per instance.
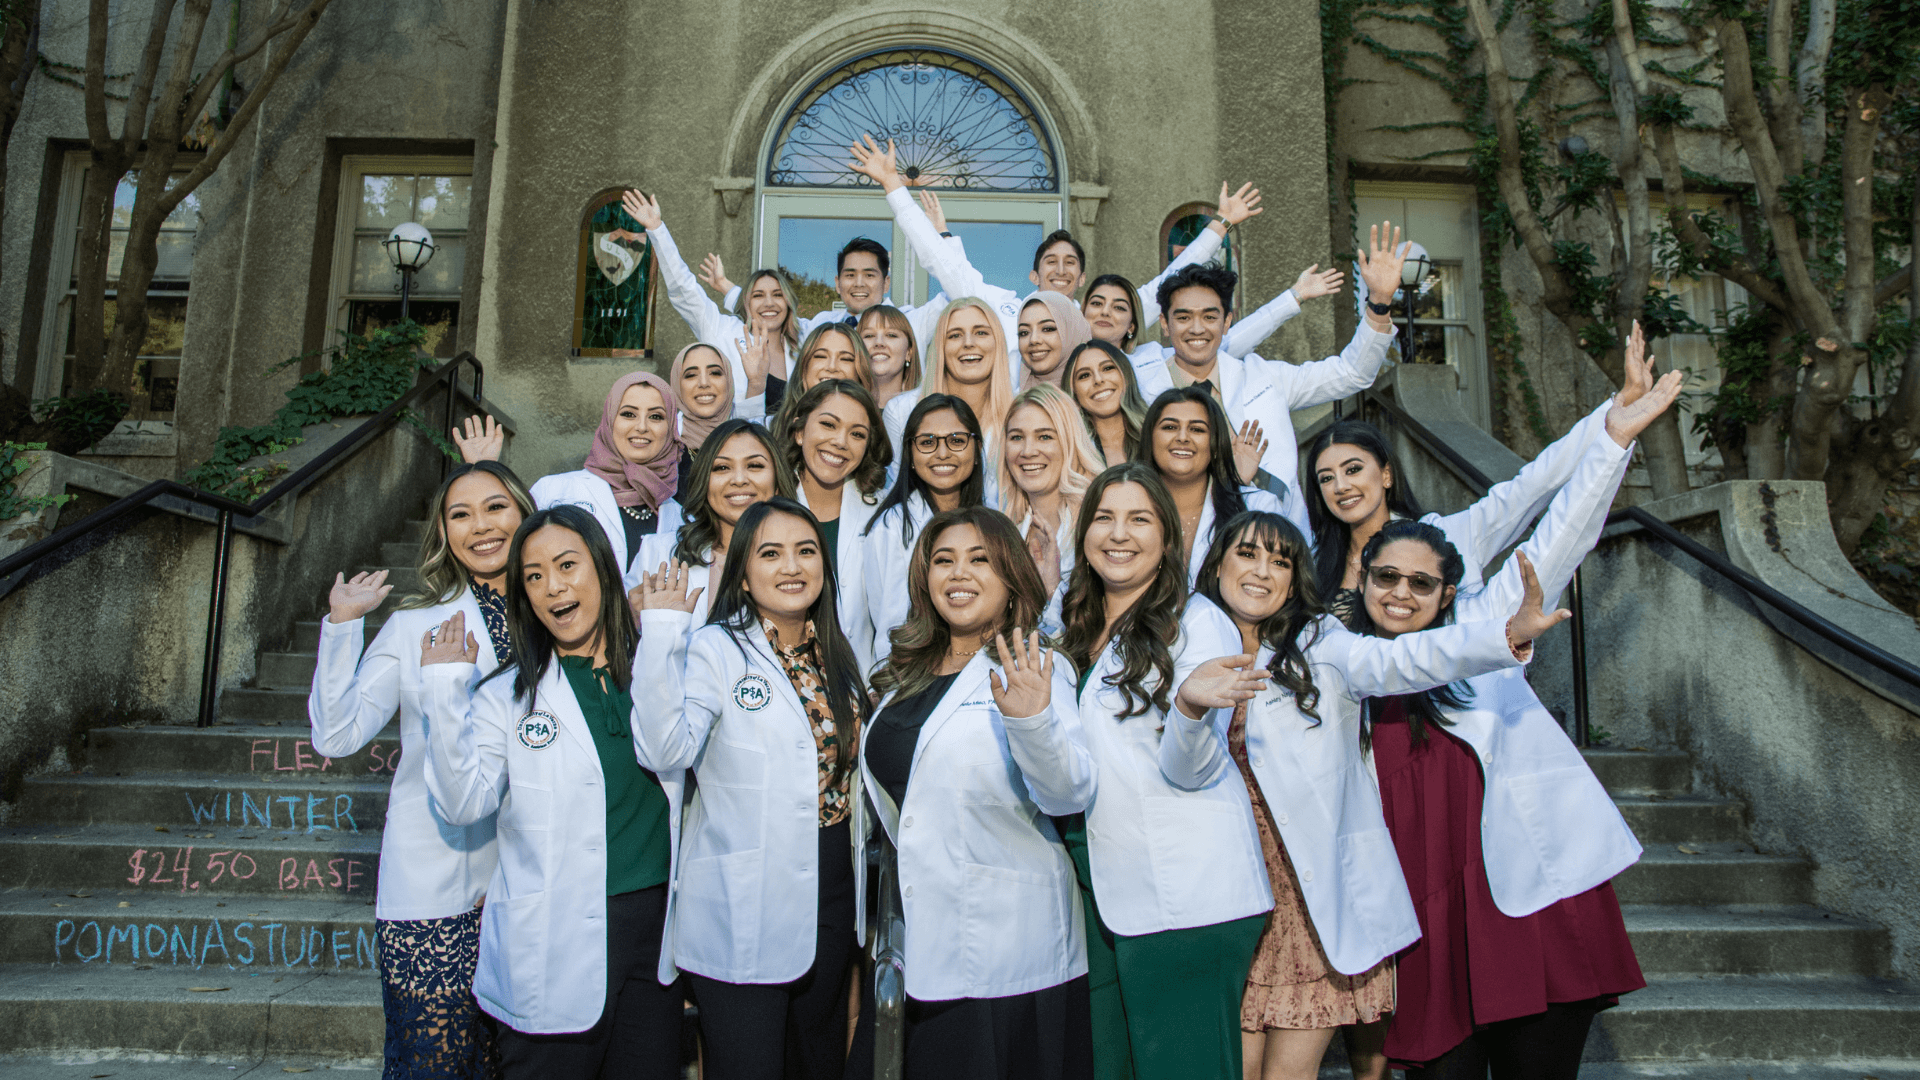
(908, 891)
(907, 823)
(1282, 819)
(1487, 757)
(802, 805)
(1306, 875)
(800, 744)
(1257, 761)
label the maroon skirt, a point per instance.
(1474, 965)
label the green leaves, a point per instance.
(15, 464)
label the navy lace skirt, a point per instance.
(435, 1030)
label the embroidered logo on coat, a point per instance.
(537, 730)
(752, 692)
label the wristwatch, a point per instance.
(1379, 309)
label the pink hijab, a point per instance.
(1075, 331)
(649, 483)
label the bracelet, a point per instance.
(1379, 309)
(948, 235)
(1222, 219)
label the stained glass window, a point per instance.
(613, 297)
(957, 125)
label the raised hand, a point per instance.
(1240, 205)
(353, 599)
(1314, 282)
(1249, 449)
(1028, 688)
(931, 204)
(483, 441)
(642, 208)
(1532, 619)
(664, 590)
(1221, 683)
(713, 274)
(449, 643)
(1380, 264)
(882, 167)
(1642, 398)
(762, 353)
(1046, 555)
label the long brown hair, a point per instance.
(530, 646)
(1145, 634)
(442, 575)
(893, 318)
(1290, 630)
(862, 370)
(1133, 408)
(920, 644)
(790, 326)
(694, 543)
(872, 470)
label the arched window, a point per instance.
(957, 123)
(614, 283)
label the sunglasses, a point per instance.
(1387, 579)
(957, 442)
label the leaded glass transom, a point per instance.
(957, 125)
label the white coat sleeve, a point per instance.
(1317, 382)
(677, 691)
(1567, 532)
(703, 316)
(1506, 512)
(350, 702)
(1245, 335)
(1193, 753)
(545, 491)
(1204, 247)
(883, 566)
(466, 740)
(947, 263)
(1411, 663)
(1051, 749)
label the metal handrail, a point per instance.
(357, 439)
(1821, 626)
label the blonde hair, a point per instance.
(442, 576)
(1081, 461)
(790, 326)
(862, 363)
(993, 420)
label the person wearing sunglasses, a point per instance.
(1507, 840)
(944, 451)
(1355, 486)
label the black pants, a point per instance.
(1043, 1035)
(796, 1030)
(638, 1034)
(1544, 1046)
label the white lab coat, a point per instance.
(1255, 498)
(1165, 857)
(748, 885)
(594, 495)
(885, 554)
(855, 621)
(430, 868)
(894, 418)
(1548, 828)
(991, 902)
(657, 549)
(709, 324)
(1268, 391)
(543, 933)
(947, 263)
(1244, 336)
(1315, 780)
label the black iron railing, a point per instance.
(1847, 641)
(358, 439)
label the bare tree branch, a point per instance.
(1893, 285)
(94, 96)
(133, 123)
(1811, 74)
(210, 80)
(1857, 138)
(1783, 104)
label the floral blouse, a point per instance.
(802, 666)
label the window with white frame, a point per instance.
(377, 193)
(1446, 314)
(158, 370)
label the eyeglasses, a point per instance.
(1387, 578)
(957, 442)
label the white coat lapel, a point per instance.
(1232, 379)
(555, 695)
(970, 685)
(762, 650)
(854, 513)
(608, 512)
(1202, 536)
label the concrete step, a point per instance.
(1692, 1018)
(1760, 940)
(128, 927)
(1639, 772)
(140, 1065)
(272, 749)
(206, 861)
(251, 705)
(309, 801)
(1679, 818)
(1714, 873)
(285, 670)
(182, 1011)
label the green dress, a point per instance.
(639, 850)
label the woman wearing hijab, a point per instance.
(1051, 327)
(632, 470)
(704, 385)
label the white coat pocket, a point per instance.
(1005, 905)
(1185, 839)
(1375, 896)
(513, 950)
(718, 900)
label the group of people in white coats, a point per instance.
(1182, 744)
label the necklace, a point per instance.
(639, 513)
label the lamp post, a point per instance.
(1412, 273)
(410, 246)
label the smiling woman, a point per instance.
(945, 471)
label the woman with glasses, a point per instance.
(1507, 840)
(945, 472)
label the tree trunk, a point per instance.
(105, 167)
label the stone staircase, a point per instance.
(204, 892)
(209, 894)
